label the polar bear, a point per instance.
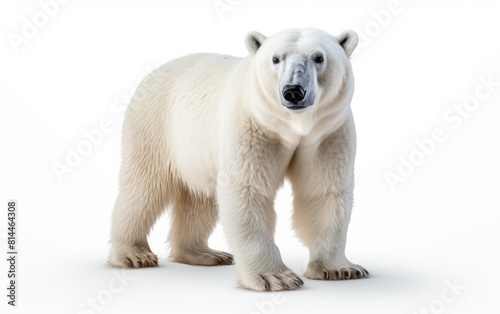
(214, 136)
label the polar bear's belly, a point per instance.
(193, 142)
(194, 154)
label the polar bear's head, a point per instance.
(299, 69)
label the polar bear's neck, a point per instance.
(301, 129)
(302, 125)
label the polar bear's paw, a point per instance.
(287, 280)
(352, 271)
(133, 258)
(208, 257)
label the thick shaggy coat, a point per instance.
(214, 136)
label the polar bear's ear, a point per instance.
(253, 41)
(348, 40)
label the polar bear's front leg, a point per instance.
(248, 219)
(248, 179)
(322, 179)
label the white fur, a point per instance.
(208, 135)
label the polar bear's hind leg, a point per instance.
(194, 217)
(143, 196)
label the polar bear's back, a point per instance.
(177, 106)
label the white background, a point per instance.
(439, 224)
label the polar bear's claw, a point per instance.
(208, 258)
(130, 259)
(287, 280)
(337, 273)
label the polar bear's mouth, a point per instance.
(296, 107)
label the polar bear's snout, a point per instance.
(297, 77)
(294, 93)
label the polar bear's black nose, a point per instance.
(294, 93)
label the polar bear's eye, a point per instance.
(319, 59)
(276, 60)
